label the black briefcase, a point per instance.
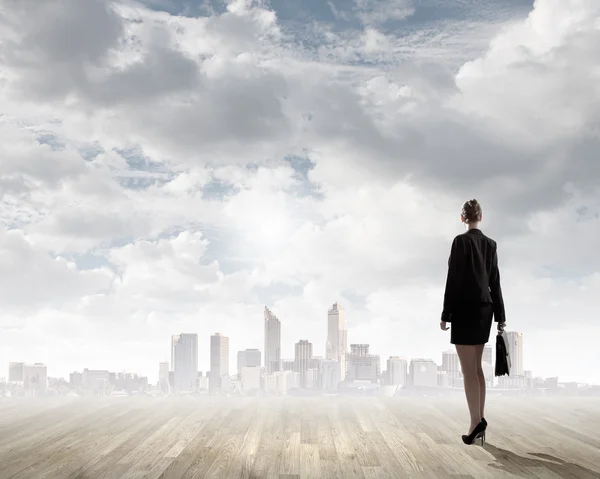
(502, 355)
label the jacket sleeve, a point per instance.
(456, 271)
(496, 290)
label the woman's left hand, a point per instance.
(443, 326)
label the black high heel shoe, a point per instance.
(477, 433)
(484, 421)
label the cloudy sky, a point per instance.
(175, 166)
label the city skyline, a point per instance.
(306, 371)
(175, 169)
(360, 362)
(205, 361)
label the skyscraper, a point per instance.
(16, 372)
(451, 367)
(184, 361)
(36, 377)
(488, 354)
(362, 365)
(163, 376)
(304, 353)
(423, 372)
(330, 375)
(451, 363)
(219, 360)
(397, 371)
(515, 348)
(337, 346)
(272, 342)
(288, 365)
(248, 358)
(488, 364)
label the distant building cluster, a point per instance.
(354, 370)
(32, 379)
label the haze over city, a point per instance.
(171, 167)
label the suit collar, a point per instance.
(475, 231)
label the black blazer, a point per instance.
(473, 275)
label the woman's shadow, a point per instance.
(518, 465)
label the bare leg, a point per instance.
(467, 355)
(481, 377)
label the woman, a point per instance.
(473, 297)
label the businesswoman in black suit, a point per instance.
(472, 300)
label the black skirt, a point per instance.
(472, 324)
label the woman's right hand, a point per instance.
(501, 326)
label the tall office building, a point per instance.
(96, 382)
(397, 371)
(288, 365)
(344, 353)
(163, 377)
(36, 377)
(336, 347)
(515, 348)
(272, 342)
(302, 360)
(330, 375)
(423, 372)
(184, 361)
(202, 381)
(363, 366)
(451, 363)
(451, 369)
(16, 372)
(76, 378)
(219, 360)
(488, 354)
(250, 378)
(248, 358)
(488, 365)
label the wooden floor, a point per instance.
(296, 438)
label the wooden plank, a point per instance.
(332, 437)
(196, 450)
(350, 465)
(248, 439)
(63, 440)
(268, 455)
(290, 450)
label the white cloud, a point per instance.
(539, 79)
(33, 279)
(381, 11)
(185, 171)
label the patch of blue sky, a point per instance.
(142, 172)
(275, 291)
(89, 152)
(223, 249)
(187, 8)
(89, 260)
(138, 161)
(342, 14)
(53, 141)
(433, 11)
(218, 190)
(357, 300)
(116, 242)
(302, 167)
(137, 182)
